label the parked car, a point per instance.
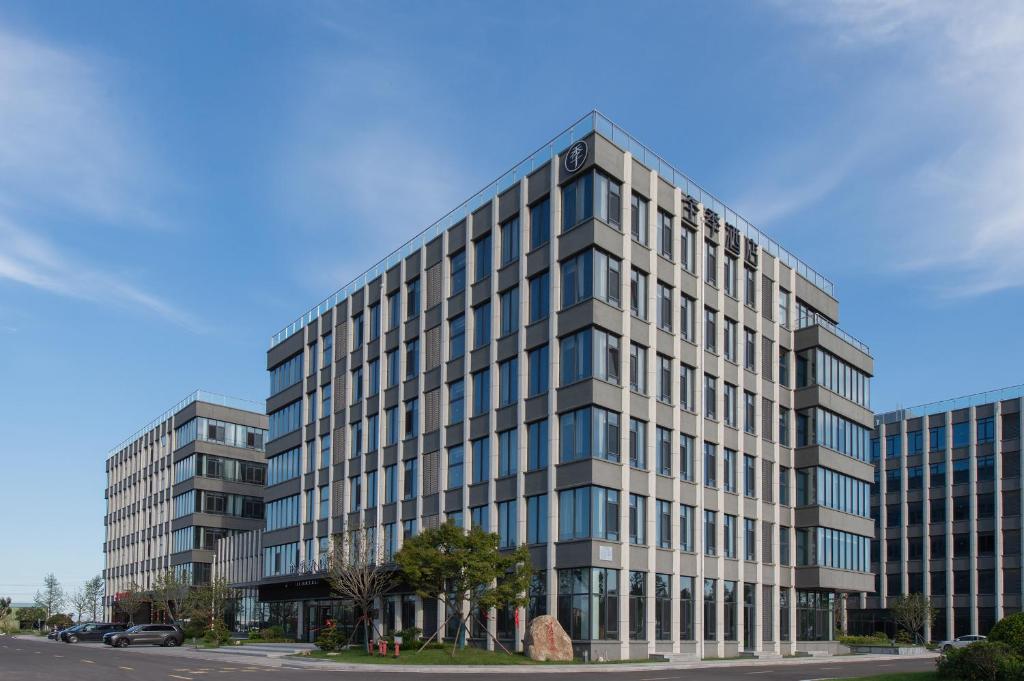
(960, 642)
(146, 634)
(56, 633)
(93, 631)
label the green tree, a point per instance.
(912, 612)
(35, 615)
(94, 590)
(130, 600)
(51, 597)
(170, 594)
(5, 607)
(465, 571)
(208, 601)
(1010, 630)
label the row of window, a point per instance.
(961, 546)
(825, 547)
(825, 369)
(218, 503)
(984, 433)
(222, 432)
(198, 537)
(984, 507)
(825, 487)
(220, 468)
(959, 583)
(985, 471)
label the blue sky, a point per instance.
(180, 180)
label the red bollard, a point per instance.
(383, 647)
(397, 646)
(373, 649)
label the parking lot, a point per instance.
(33, 659)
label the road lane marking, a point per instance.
(89, 661)
(766, 671)
(127, 669)
(58, 656)
(175, 676)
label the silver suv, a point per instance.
(960, 642)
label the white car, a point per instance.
(960, 642)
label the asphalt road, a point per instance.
(31, 660)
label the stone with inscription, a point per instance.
(547, 640)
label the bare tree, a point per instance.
(95, 590)
(5, 608)
(170, 593)
(357, 572)
(80, 602)
(912, 612)
(51, 597)
(129, 600)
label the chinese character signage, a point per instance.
(711, 222)
(750, 254)
(732, 239)
(575, 156)
(691, 209)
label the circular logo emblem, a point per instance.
(575, 156)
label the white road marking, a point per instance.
(766, 671)
(58, 656)
(175, 676)
(127, 669)
(88, 661)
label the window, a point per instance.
(538, 380)
(664, 234)
(391, 361)
(355, 488)
(390, 484)
(749, 413)
(412, 358)
(371, 489)
(638, 368)
(663, 520)
(750, 287)
(729, 339)
(709, 534)
(357, 438)
(409, 481)
(710, 397)
(729, 610)
(509, 310)
(591, 273)
(663, 444)
(456, 402)
(588, 603)
(481, 392)
(508, 525)
(325, 401)
(749, 475)
(285, 420)
(508, 452)
(961, 434)
(749, 539)
(375, 321)
(458, 272)
(710, 465)
(710, 333)
(589, 432)
(455, 467)
(783, 367)
(412, 420)
(687, 305)
(986, 430)
(664, 307)
(637, 605)
(729, 535)
(284, 466)
(637, 444)
(686, 447)
(481, 459)
(509, 241)
(325, 451)
(664, 376)
(540, 223)
(284, 375)
(478, 517)
(637, 519)
(394, 310)
(638, 293)
(686, 387)
(373, 369)
(412, 298)
(508, 382)
(372, 432)
(729, 404)
(482, 256)
(728, 470)
(685, 608)
(590, 352)
(457, 336)
(783, 426)
(327, 342)
(936, 438)
(686, 514)
(729, 268)
(357, 332)
(588, 512)
(537, 445)
(688, 239)
(481, 325)
(711, 263)
(783, 308)
(638, 219)
(537, 519)
(749, 350)
(540, 297)
(591, 195)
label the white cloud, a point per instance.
(34, 261)
(948, 100)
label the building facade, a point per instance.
(239, 561)
(192, 476)
(596, 358)
(947, 511)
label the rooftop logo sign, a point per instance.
(575, 156)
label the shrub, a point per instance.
(273, 633)
(876, 639)
(217, 634)
(194, 629)
(410, 636)
(1010, 630)
(981, 661)
(329, 640)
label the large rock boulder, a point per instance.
(547, 640)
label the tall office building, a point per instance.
(946, 503)
(596, 358)
(191, 476)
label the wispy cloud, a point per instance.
(950, 90)
(68, 155)
(34, 261)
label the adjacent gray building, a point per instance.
(947, 510)
(193, 475)
(597, 358)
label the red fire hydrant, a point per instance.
(383, 647)
(397, 646)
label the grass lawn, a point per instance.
(429, 656)
(906, 676)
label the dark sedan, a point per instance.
(146, 634)
(90, 632)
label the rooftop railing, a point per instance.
(952, 404)
(817, 320)
(197, 396)
(593, 121)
